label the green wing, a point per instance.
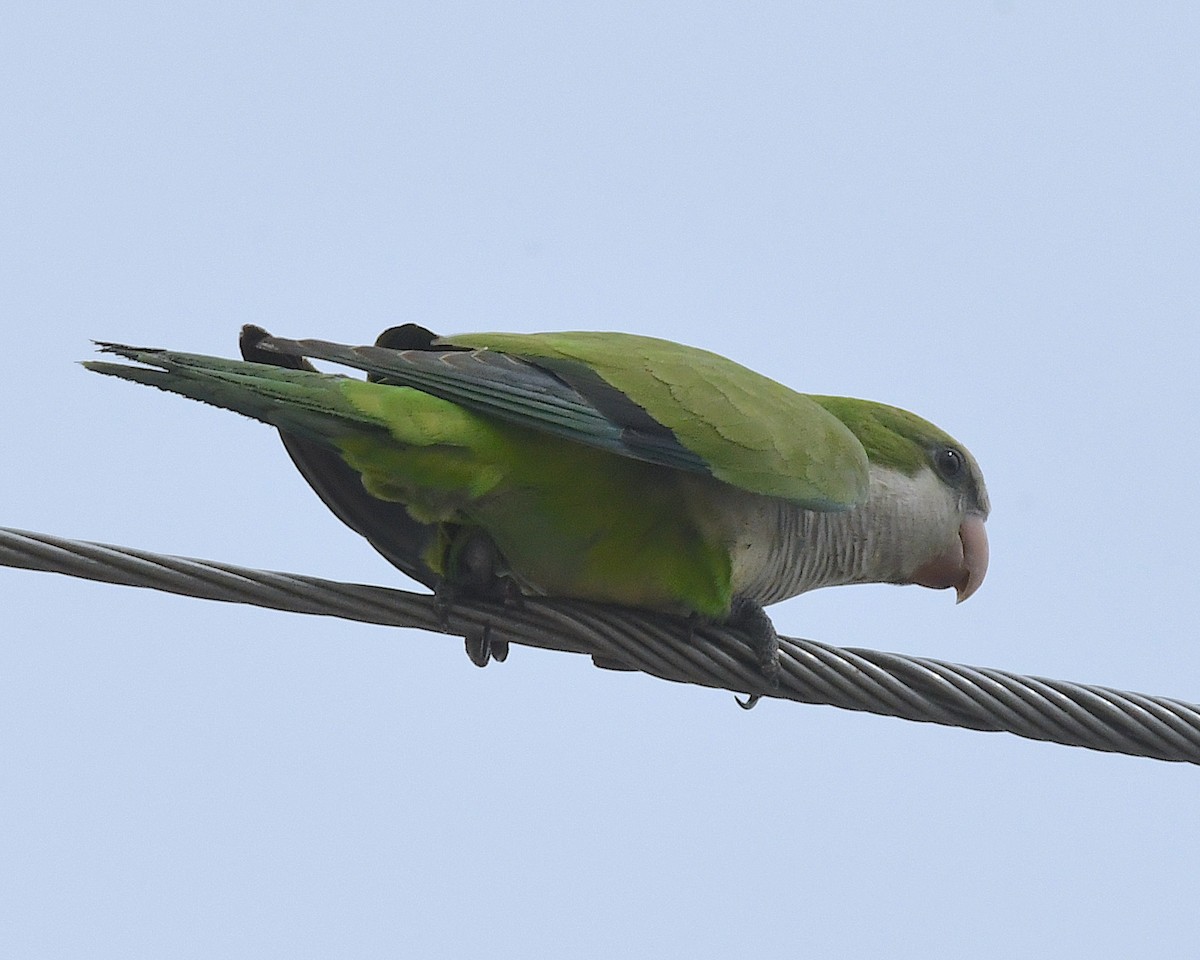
(636, 396)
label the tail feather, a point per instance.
(302, 402)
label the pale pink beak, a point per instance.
(963, 565)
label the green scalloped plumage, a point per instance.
(753, 432)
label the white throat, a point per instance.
(789, 550)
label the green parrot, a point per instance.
(603, 466)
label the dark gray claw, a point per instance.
(482, 649)
(478, 651)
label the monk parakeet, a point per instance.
(604, 466)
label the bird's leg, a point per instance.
(751, 618)
(443, 597)
(472, 565)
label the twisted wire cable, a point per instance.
(889, 684)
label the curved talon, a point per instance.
(478, 649)
(482, 649)
(750, 702)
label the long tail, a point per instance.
(301, 402)
(408, 446)
(312, 413)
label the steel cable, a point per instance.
(889, 684)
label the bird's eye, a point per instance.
(949, 462)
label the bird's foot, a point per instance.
(482, 648)
(473, 567)
(752, 619)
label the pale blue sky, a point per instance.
(986, 212)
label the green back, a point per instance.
(753, 432)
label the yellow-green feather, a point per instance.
(569, 519)
(753, 432)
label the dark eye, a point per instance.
(950, 463)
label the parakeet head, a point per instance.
(927, 496)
